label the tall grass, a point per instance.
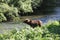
(46, 32)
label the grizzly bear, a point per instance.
(33, 23)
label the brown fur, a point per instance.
(33, 23)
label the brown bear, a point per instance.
(33, 23)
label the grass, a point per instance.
(49, 31)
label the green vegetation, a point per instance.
(2, 17)
(47, 32)
(7, 12)
(10, 8)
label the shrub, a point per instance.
(36, 3)
(38, 33)
(2, 17)
(8, 12)
(10, 8)
(25, 6)
(4, 7)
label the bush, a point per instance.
(4, 7)
(2, 17)
(36, 3)
(54, 27)
(8, 12)
(25, 6)
(38, 33)
(11, 8)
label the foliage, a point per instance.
(11, 8)
(50, 32)
(2, 17)
(54, 27)
(36, 3)
(4, 7)
(25, 5)
(7, 12)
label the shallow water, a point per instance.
(53, 11)
(9, 26)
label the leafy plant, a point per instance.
(25, 5)
(11, 8)
(38, 33)
(36, 3)
(2, 17)
(7, 12)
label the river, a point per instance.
(51, 11)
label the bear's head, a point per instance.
(26, 20)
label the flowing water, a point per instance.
(53, 9)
